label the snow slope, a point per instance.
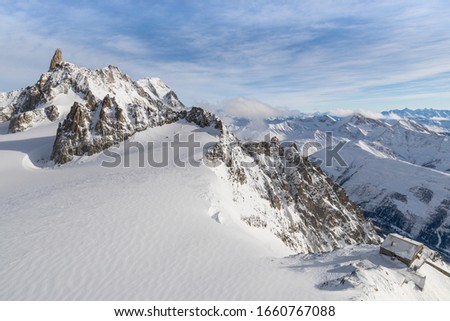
(396, 169)
(85, 232)
(397, 195)
(294, 201)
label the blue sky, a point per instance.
(302, 55)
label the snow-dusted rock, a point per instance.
(396, 169)
(283, 192)
(66, 83)
(289, 197)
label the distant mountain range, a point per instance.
(424, 113)
(428, 116)
(72, 229)
(397, 168)
(98, 109)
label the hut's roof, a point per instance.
(401, 246)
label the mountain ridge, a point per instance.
(396, 150)
(107, 108)
(225, 229)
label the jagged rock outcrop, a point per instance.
(303, 207)
(386, 168)
(292, 198)
(202, 118)
(66, 82)
(89, 129)
(56, 60)
(7, 104)
(279, 190)
(26, 119)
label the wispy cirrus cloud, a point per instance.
(307, 55)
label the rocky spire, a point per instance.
(56, 60)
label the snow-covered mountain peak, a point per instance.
(435, 118)
(82, 225)
(53, 95)
(157, 86)
(325, 119)
(362, 121)
(157, 89)
(413, 126)
(293, 199)
(396, 168)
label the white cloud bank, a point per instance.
(365, 113)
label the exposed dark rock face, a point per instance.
(202, 118)
(436, 232)
(433, 229)
(7, 104)
(423, 194)
(309, 212)
(399, 197)
(390, 219)
(52, 112)
(56, 60)
(87, 87)
(25, 120)
(82, 134)
(304, 208)
(71, 137)
(293, 198)
(28, 107)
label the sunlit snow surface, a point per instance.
(84, 232)
(397, 170)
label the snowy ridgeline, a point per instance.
(85, 231)
(82, 231)
(293, 200)
(396, 169)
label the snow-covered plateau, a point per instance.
(73, 228)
